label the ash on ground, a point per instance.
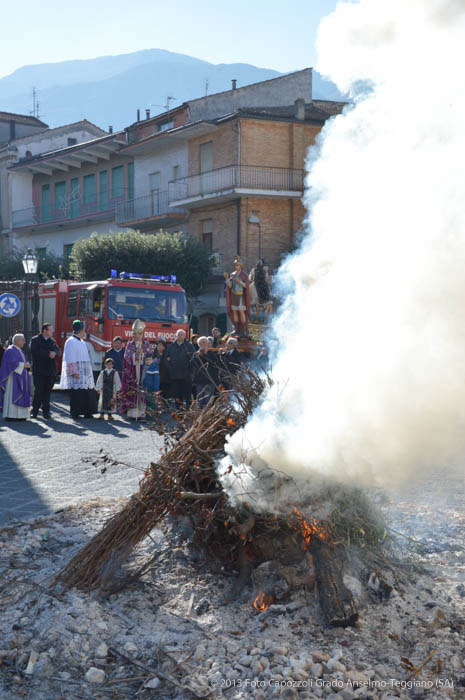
(171, 635)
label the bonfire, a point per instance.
(185, 482)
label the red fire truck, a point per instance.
(110, 307)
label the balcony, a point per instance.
(236, 180)
(148, 210)
(75, 210)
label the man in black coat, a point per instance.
(231, 361)
(178, 361)
(205, 372)
(44, 350)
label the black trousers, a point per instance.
(43, 386)
(181, 390)
(80, 402)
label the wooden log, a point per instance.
(336, 600)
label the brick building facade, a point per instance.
(251, 164)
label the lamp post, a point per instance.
(256, 220)
(30, 265)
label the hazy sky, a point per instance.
(277, 34)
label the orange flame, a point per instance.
(263, 601)
(310, 527)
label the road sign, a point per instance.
(9, 305)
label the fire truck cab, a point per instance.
(109, 308)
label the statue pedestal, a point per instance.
(247, 345)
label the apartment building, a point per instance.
(243, 192)
(20, 160)
(159, 156)
(244, 188)
(228, 168)
(60, 191)
(70, 193)
(159, 145)
(12, 128)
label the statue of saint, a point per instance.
(238, 298)
(132, 394)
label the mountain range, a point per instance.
(108, 90)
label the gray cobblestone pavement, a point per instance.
(42, 467)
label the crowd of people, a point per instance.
(134, 380)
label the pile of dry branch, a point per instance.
(184, 482)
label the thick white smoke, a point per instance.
(370, 371)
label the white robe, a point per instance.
(76, 360)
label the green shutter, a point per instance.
(45, 203)
(74, 195)
(117, 182)
(130, 181)
(60, 198)
(103, 190)
(67, 250)
(89, 189)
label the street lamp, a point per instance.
(30, 264)
(256, 220)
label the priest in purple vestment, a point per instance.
(15, 382)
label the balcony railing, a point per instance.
(153, 205)
(236, 177)
(75, 208)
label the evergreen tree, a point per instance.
(150, 254)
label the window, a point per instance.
(97, 299)
(206, 156)
(72, 142)
(89, 194)
(130, 181)
(103, 189)
(117, 182)
(154, 184)
(84, 303)
(155, 181)
(67, 249)
(74, 197)
(60, 197)
(147, 304)
(176, 172)
(71, 307)
(41, 253)
(46, 212)
(207, 234)
(28, 154)
(164, 126)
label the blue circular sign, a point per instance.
(9, 305)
